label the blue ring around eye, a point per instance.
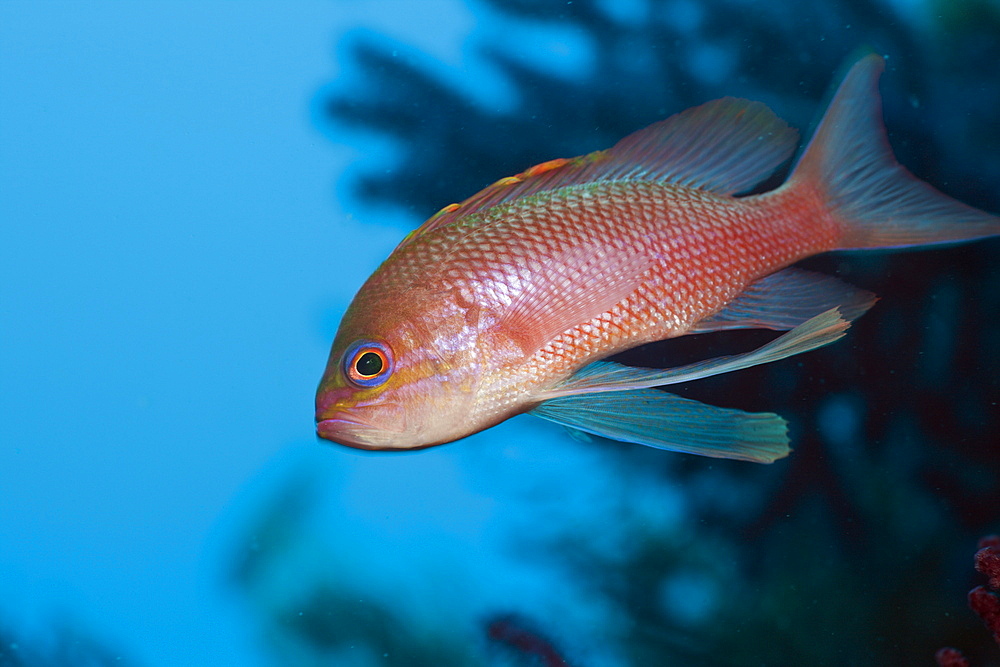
(367, 363)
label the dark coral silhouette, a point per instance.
(844, 553)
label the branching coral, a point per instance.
(984, 600)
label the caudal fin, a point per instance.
(876, 202)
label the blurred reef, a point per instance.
(856, 550)
(62, 644)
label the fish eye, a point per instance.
(368, 363)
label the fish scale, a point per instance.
(511, 300)
(706, 250)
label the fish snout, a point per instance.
(330, 401)
(334, 423)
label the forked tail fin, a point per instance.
(877, 202)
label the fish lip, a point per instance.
(339, 430)
(350, 432)
(328, 424)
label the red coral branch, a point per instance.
(988, 560)
(950, 657)
(987, 606)
(985, 603)
(513, 631)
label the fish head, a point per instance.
(400, 377)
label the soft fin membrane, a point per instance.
(602, 376)
(618, 402)
(876, 201)
(658, 419)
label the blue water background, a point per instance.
(181, 227)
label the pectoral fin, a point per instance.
(573, 287)
(662, 420)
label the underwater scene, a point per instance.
(197, 204)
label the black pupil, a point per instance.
(368, 364)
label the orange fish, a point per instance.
(508, 302)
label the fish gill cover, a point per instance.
(852, 552)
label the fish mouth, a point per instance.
(355, 433)
(342, 431)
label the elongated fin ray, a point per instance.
(786, 299)
(604, 376)
(662, 420)
(877, 202)
(725, 146)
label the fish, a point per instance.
(511, 301)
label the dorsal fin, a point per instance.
(725, 146)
